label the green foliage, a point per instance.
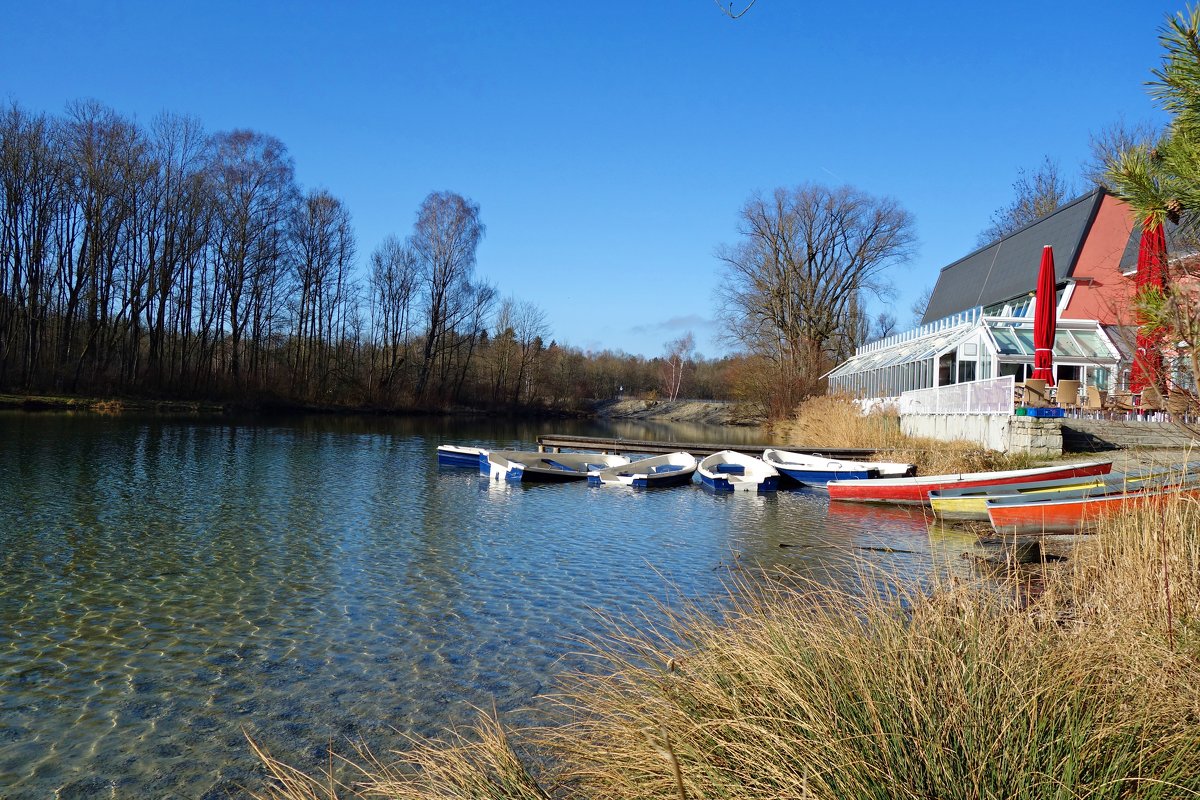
(1153, 306)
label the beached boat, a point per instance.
(454, 455)
(730, 471)
(916, 490)
(517, 466)
(971, 503)
(672, 469)
(1022, 516)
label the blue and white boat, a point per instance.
(817, 470)
(518, 466)
(453, 455)
(812, 470)
(672, 469)
(730, 471)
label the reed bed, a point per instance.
(1090, 690)
(835, 421)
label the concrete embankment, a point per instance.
(707, 412)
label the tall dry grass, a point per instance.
(834, 421)
(1090, 690)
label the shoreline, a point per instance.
(707, 412)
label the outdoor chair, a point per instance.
(1121, 400)
(1180, 403)
(1152, 400)
(1095, 399)
(1035, 393)
(1068, 393)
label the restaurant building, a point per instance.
(979, 321)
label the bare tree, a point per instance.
(322, 248)
(530, 329)
(1037, 194)
(393, 281)
(254, 185)
(731, 12)
(1111, 142)
(678, 353)
(793, 284)
(445, 238)
(919, 305)
(884, 325)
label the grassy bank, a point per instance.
(1091, 689)
(834, 421)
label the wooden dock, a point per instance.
(553, 442)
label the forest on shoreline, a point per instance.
(165, 263)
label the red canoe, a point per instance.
(916, 490)
(1074, 514)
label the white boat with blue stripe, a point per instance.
(731, 471)
(454, 455)
(517, 466)
(672, 469)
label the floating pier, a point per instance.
(553, 442)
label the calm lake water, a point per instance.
(172, 585)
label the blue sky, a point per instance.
(611, 144)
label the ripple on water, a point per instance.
(171, 585)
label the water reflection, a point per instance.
(171, 584)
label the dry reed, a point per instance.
(1090, 690)
(834, 421)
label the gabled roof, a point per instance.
(1008, 268)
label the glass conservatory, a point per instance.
(971, 346)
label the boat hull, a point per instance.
(515, 466)
(816, 477)
(1073, 515)
(730, 471)
(656, 472)
(807, 469)
(915, 491)
(972, 504)
(453, 455)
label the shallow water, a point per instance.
(171, 586)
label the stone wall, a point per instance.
(1089, 435)
(1041, 437)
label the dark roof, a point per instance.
(1181, 240)
(1008, 268)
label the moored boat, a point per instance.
(915, 490)
(517, 466)
(971, 503)
(454, 455)
(813, 470)
(731, 471)
(892, 469)
(672, 469)
(1021, 516)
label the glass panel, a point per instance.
(1025, 336)
(1006, 342)
(1090, 344)
(1064, 345)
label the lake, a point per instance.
(171, 585)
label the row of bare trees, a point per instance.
(168, 261)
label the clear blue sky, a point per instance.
(611, 144)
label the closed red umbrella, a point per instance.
(1151, 271)
(1044, 320)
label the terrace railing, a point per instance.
(992, 396)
